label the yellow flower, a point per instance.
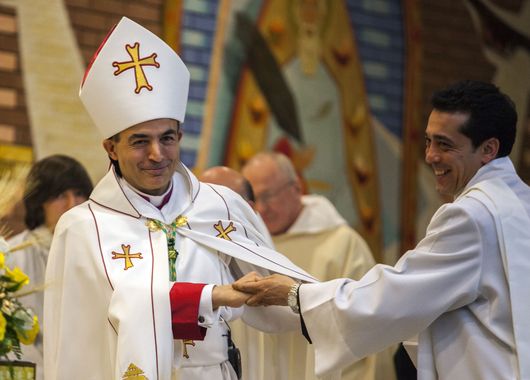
(3, 324)
(16, 275)
(2, 260)
(28, 337)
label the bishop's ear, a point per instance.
(110, 147)
(489, 149)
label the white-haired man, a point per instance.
(309, 230)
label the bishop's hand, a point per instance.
(270, 290)
(226, 295)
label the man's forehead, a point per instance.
(449, 116)
(440, 137)
(445, 123)
(269, 171)
(152, 125)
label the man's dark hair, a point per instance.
(47, 179)
(491, 113)
(116, 139)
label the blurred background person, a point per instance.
(309, 230)
(53, 186)
(225, 176)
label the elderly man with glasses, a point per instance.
(311, 232)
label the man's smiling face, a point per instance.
(451, 154)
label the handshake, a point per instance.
(253, 290)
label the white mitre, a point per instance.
(134, 77)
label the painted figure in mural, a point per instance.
(54, 185)
(323, 120)
(136, 273)
(464, 288)
(309, 231)
(320, 115)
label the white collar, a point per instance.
(111, 194)
(498, 168)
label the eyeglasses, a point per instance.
(269, 196)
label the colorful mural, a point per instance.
(302, 93)
(340, 86)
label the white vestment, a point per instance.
(456, 289)
(321, 242)
(107, 311)
(249, 340)
(32, 261)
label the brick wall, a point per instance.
(92, 19)
(451, 49)
(14, 122)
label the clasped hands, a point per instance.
(253, 290)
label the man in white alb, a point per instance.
(465, 287)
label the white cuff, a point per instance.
(207, 316)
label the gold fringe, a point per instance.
(22, 245)
(35, 289)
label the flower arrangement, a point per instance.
(18, 324)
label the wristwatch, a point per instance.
(292, 298)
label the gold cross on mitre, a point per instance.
(185, 349)
(223, 232)
(126, 255)
(137, 63)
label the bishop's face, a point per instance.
(148, 154)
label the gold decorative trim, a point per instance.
(223, 232)
(127, 256)
(133, 372)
